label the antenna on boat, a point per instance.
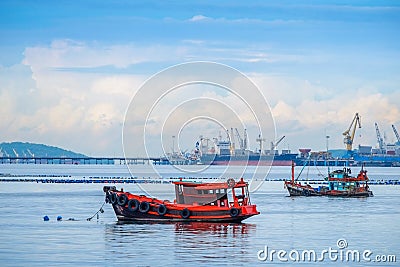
(327, 151)
(292, 171)
(304, 165)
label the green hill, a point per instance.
(23, 150)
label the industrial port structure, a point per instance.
(226, 152)
(385, 155)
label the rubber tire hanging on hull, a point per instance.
(306, 193)
(144, 207)
(234, 212)
(122, 200)
(113, 198)
(133, 205)
(108, 198)
(185, 213)
(162, 210)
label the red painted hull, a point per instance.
(296, 189)
(155, 210)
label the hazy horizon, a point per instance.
(68, 70)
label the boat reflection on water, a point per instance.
(178, 243)
(219, 243)
(231, 229)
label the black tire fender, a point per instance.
(113, 198)
(234, 212)
(133, 205)
(122, 200)
(144, 207)
(162, 210)
(107, 199)
(185, 213)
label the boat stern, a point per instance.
(249, 210)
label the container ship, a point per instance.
(249, 160)
(224, 152)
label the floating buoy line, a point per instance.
(97, 215)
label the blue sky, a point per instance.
(317, 63)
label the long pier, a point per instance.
(65, 179)
(165, 161)
(83, 160)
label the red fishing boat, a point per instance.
(205, 202)
(340, 184)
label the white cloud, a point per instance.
(50, 100)
(314, 117)
(76, 110)
(199, 18)
(244, 20)
(72, 54)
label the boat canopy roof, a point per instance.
(210, 186)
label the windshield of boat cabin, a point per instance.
(193, 196)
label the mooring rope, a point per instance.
(97, 213)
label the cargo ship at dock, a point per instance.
(250, 160)
(225, 152)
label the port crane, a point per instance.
(260, 140)
(274, 145)
(348, 138)
(245, 139)
(379, 137)
(232, 140)
(242, 141)
(396, 134)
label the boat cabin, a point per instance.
(343, 186)
(345, 173)
(341, 180)
(224, 194)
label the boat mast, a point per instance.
(292, 171)
(327, 151)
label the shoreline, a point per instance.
(67, 179)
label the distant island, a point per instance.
(30, 150)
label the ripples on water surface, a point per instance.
(284, 223)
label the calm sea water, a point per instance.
(288, 224)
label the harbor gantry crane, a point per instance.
(348, 138)
(396, 134)
(245, 139)
(232, 140)
(379, 137)
(260, 140)
(240, 139)
(274, 145)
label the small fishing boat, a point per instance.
(340, 184)
(204, 202)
